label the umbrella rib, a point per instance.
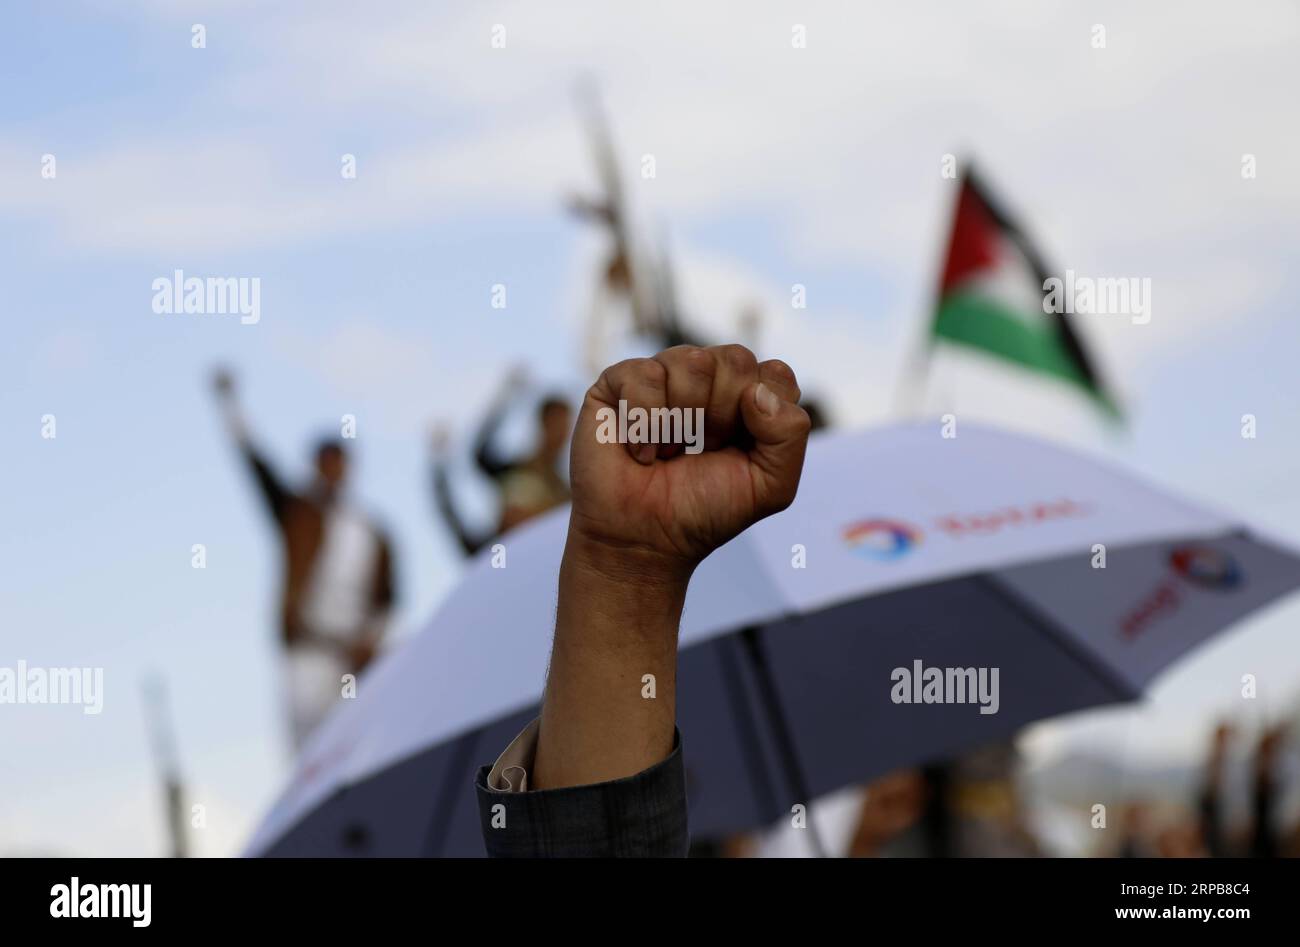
(752, 747)
(770, 699)
(1030, 613)
(453, 779)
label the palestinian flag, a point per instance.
(991, 298)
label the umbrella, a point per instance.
(923, 595)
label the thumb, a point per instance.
(780, 431)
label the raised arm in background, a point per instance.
(276, 494)
(470, 541)
(489, 459)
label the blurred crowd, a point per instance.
(978, 806)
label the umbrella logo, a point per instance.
(1207, 567)
(881, 539)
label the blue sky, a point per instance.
(775, 166)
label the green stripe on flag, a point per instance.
(975, 320)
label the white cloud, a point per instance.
(841, 141)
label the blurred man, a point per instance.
(963, 807)
(528, 486)
(892, 809)
(1135, 831)
(337, 579)
(600, 772)
(1265, 795)
(1211, 799)
(989, 815)
(1181, 837)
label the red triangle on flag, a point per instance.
(974, 242)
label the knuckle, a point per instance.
(781, 374)
(802, 422)
(737, 358)
(652, 371)
(780, 371)
(678, 351)
(689, 359)
(645, 371)
(698, 360)
(604, 384)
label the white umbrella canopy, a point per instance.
(983, 550)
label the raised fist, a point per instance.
(664, 507)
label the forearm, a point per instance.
(442, 498)
(485, 455)
(616, 623)
(273, 491)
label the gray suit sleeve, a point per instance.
(641, 816)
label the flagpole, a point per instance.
(916, 369)
(912, 383)
(909, 395)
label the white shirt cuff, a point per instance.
(510, 772)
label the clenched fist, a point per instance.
(644, 515)
(664, 507)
